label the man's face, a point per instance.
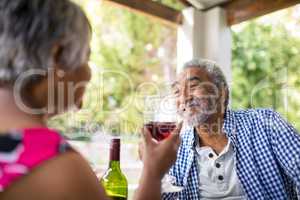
(196, 96)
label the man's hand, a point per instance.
(159, 156)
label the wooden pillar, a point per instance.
(205, 34)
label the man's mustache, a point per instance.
(197, 102)
(191, 103)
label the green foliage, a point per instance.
(126, 67)
(266, 69)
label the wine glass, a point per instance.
(160, 119)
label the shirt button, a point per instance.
(210, 155)
(218, 165)
(220, 177)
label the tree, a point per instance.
(128, 53)
(134, 56)
(266, 69)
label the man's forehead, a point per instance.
(192, 73)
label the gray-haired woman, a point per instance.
(44, 50)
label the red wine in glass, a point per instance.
(160, 130)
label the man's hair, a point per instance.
(214, 71)
(30, 29)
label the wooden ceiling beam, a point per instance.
(185, 3)
(150, 8)
(242, 10)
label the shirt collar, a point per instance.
(229, 126)
(227, 149)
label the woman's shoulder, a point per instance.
(66, 176)
(41, 144)
(41, 134)
(23, 150)
(50, 174)
(45, 138)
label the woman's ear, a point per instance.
(44, 94)
(35, 95)
(56, 52)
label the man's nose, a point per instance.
(184, 97)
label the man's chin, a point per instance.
(195, 121)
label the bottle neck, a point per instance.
(114, 154)
(113, 164)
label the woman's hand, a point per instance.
(159, 156)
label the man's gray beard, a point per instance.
(195, 120)
(201, 116)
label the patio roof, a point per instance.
(237, 10)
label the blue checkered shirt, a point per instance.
(267, 152)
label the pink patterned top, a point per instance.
(22, 151)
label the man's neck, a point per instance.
(11, 117)
(211, 134)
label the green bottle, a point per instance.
(113, 180)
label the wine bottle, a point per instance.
(113, 180)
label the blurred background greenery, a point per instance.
(134, 56)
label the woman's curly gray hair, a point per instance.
(29, 30)
(214, 71)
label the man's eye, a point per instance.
(194, 86)
(176, 92)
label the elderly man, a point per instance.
(247, 154)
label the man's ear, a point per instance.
(223, 98)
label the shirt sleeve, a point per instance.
(173, 195)
(286, 144)
(169, 196)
